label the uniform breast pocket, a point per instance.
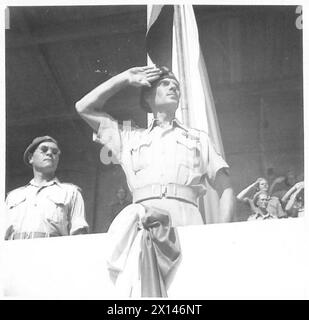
(56, 209)
(188, 152)
(16, 207)
(141, 154)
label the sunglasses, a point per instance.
(54, 151)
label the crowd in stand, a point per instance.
(283, 198)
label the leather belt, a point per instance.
(31, 235)
(168, 191)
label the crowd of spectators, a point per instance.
(283, 198)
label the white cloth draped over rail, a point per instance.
(144, 251)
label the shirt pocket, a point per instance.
(56, 208)
(15, 208)
(188, 152)
(141, 154)
(14, 204)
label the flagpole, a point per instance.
(179, 37)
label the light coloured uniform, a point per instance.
(260, 216)
(155, 157)
(54, 209)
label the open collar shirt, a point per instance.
(55, 208)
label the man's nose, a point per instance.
(49, 152)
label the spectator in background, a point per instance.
(45, 207)
(294, 200)
(260, 209)
(282, 184)
(248, 194)
(120, 203)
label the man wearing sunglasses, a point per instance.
(45, 207)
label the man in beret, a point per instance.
(45, 207)
(167, 163)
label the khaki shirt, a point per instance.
(259, 215)
(176, 154)
(56, 209)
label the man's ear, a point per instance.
(30, 158)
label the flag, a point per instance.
(173, 40)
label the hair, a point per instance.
(166, 73)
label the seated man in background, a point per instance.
(45, 207)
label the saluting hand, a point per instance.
(143, 76)
(299, 185)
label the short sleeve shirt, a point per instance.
(259, 216)
(55, 208)
(176, 154)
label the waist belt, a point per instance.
(168, 191)
(31, 235)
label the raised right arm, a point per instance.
(297, 186)
(290, 197)
(89, 106)
(243, 195)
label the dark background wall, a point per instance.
(55, 55)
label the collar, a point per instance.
(47, 184)
(175, 123)
(263, 216)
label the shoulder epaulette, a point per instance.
(16, 190)
(71, 185)
(192, 134)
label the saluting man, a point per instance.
(45, 207)
(166, 164)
